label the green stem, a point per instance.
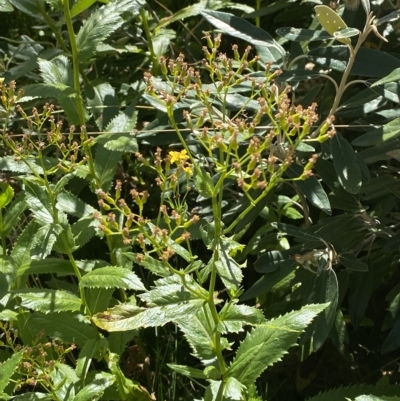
(258, 20)
(3, 238)
(155, 69)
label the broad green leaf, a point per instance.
(69, 203)
(58, 266)
(83, 231)
(269, 9)
(105, 165)
(376, 398)
(47, 301)
(331, 22)
(36, 396)
(112, 277)
(234, 317)
(311, 188)
(128, 317)
(392, 341)
(57, 71)
(199, 335)
(80, 6)
(44, 240)
(360, 290)
(325, 290)
(393, 16)
(154, 265)
(29, 164)
(296, 232)
(88, 352)
(39, 202)
(187, 371)
(394, 76)
(267, 343)
(124, 122)
(203, 183)
(6, 194)
(49, 90)
(8, 368)
(29, 7)
(67, 371)
(346, 166)
(98, 299)
(297, 76)
(303, 35)
(96, 388)
(346, 33)
(101, 24)
(369, 62)
(103, 103)
(271, 261)
(69, 327)
(379, 135)
(119, 142)
(268, 281)
(228, 390)
(267, 48)
(350, 261)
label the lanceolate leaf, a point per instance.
(8, 368)
(44, 240)
(303, 35)
(105, 165)
(112, 277)
(39, 202)
(346, 166)
(187, 371)
(234, 317)
(267, 343)
(101, 24)
(95, 389)
(227, 390)
(127, 317)
(331, 22)
(47, 301)
(379, 135)
(267, 47)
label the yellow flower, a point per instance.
(177, 157)
(188, 170)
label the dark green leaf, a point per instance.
(268, 49)
(379, 135)
(105, 165)
(187, 371)
(350, 261)
(8, 368)
(346, 166)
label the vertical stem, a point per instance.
(155, 69)
(258, 20)
(3, 238)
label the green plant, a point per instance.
(226, 167)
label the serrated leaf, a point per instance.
(170, 290)
(96, 388)
(67, 371)
(86, 355)
(199, 335)
(119, 142)
(228, 390)
(69, 203)
(57, 71)
(80, 6)
(8, 368)
(331, 22)
(39, 202)
(187, 371)
(267, 343)
(346, 166)
(47, 90)
(234, 317)
(29, 7)
(267, 48)
(112, 277)
(44, 240)
(47, 301)
(98, 299)
(101, 24)
(128, 317)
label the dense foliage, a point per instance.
(192, 207)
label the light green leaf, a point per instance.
(394, 76)
(267, 48)
(67, 371)
(128, 317)
(119, 142)
(57, 71)
(44, 240)
(6, 194)
(88, 352)
(234, 317)
(187, 371)
(346, 166)
(47, 301)
(346, 33)
(154, 265)
(36, 396)
(228, 390)
(80, 6)
(69, 203)
(199, 335)
(170, 290)
(8, 368)
(47, 90)
(267, 343)
(6, 7)
(112, 277)
(376, 398)
(203, 183)
(331, 22)
(39, 202)
(96, 388)
(101, 24)
(28, 7)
